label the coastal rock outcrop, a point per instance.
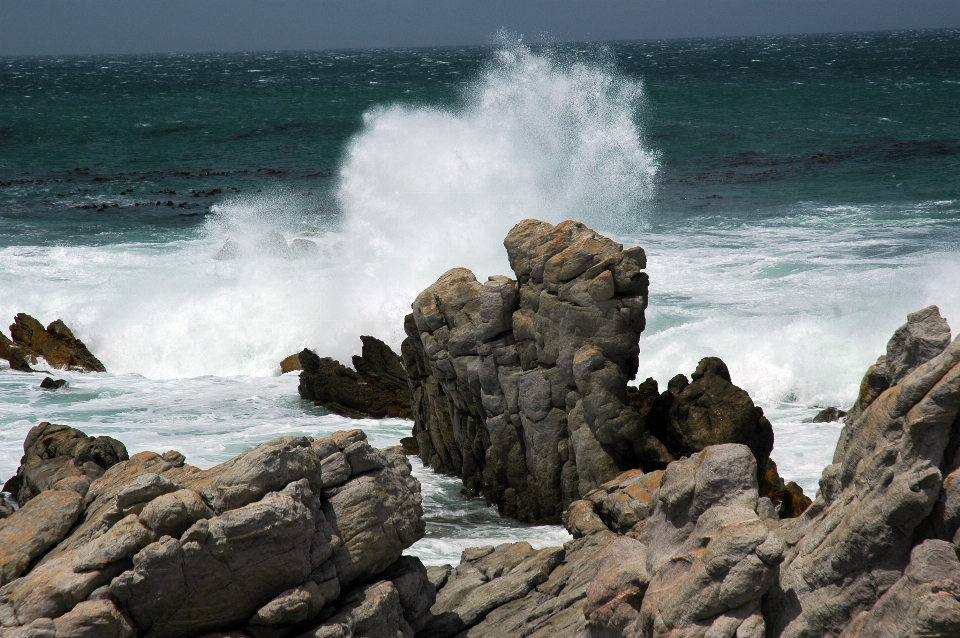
(60, 456)
(55, 343)
(376, 387)
(697, 562)
(879, 496)
(520, 386)
(297, 535)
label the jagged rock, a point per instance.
(710, 410)
(56, 344)
(158, 548)
(877, 496)
(519, 386)
(229, 250)
(290, 364)
(376, 388)
(15, 356)
(924, 336)
(53, 453)
(828, 415)
(925, 601)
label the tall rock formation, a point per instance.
(520, 386)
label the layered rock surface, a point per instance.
(376, 387)
(520, 386)
(297, 535)
(695, 551)
(55, 343)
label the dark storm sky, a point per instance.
(32, 27)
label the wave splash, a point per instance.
(423, 190)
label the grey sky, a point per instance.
(35, 27)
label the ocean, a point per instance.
(796, 196)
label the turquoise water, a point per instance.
(796, 197)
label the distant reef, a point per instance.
(55, 344)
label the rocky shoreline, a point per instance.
(682, 526)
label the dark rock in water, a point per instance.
(291, 363)
(55, 343)
(49, 383)
(266, 544)
(60, 455)
(829, 415)
(377, 387)
(303, 249)
(708, 410)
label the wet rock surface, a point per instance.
(295, 537)
(376, 386)
(56, 344)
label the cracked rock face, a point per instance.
(880, 493)
(263, 544)
(519, 386)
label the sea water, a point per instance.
(796, 197)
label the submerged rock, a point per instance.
(55, 343)
(283, 540)
(49, 383)
(377, 387)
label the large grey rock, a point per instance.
(924, 336)
(853, 543)
(925, 601)
(519, 386)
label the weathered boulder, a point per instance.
(377, 387)
(925, 601)
(263, 544)
(828, 415)
(53, 453)
(55, 343)
(519, 386)
(878, 496)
